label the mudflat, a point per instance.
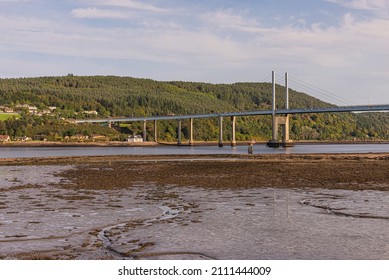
(330, 171)
(115, 207)
(355, 172)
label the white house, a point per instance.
(135, 139)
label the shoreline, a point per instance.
(197, 158)
(18, 144)
(47, 144)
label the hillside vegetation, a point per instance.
(74, 97)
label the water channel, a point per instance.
(16, 152)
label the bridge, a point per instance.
(280, 117)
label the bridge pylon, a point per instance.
(282, 121)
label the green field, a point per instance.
(6, 116)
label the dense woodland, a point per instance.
(112, 96)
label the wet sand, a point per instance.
(115, 207)
(330, 171)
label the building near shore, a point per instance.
(23, 138)
(79, 137)
(135, 139)
(99, 137)
(4, 138)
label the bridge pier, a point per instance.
(221, 132)
(144, 131)
(274, 142)
(191, 132)
(155, 131)
(233, 138)
(284, 123)
(179, 133)
(286, 142)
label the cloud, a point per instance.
(370, 5)
(97, 13)
(134, 5)
(216, 37)
(117, 9)
(346, 45)
(210, 46)
(148, 44)
(334, 46)
(229, 20)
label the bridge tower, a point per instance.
(282, 121)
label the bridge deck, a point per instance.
(358, 108)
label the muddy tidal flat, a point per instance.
(322, 206)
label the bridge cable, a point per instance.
(321, 92)
(268, 79)
(313, 91)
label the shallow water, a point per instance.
(17, 152)
(173, 222)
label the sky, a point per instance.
(336, 50)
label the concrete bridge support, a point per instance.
(144, 131)
(233, 139)
(179, 133)
(284, 123)
(221, 132)
(191, 132)
(286, 142)
(155, 131)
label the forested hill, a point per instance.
(103, 96)
(121, 96)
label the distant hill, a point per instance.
(103, 96)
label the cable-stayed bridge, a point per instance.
(339, 109)
(280, 117)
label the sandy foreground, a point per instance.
(101, 177)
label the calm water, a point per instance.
(14, 152)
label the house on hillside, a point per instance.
(33, 110)
(4, 138)
(93, 112)
(79, 137)
(135, 139)
(6, 109)
(99, 137)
